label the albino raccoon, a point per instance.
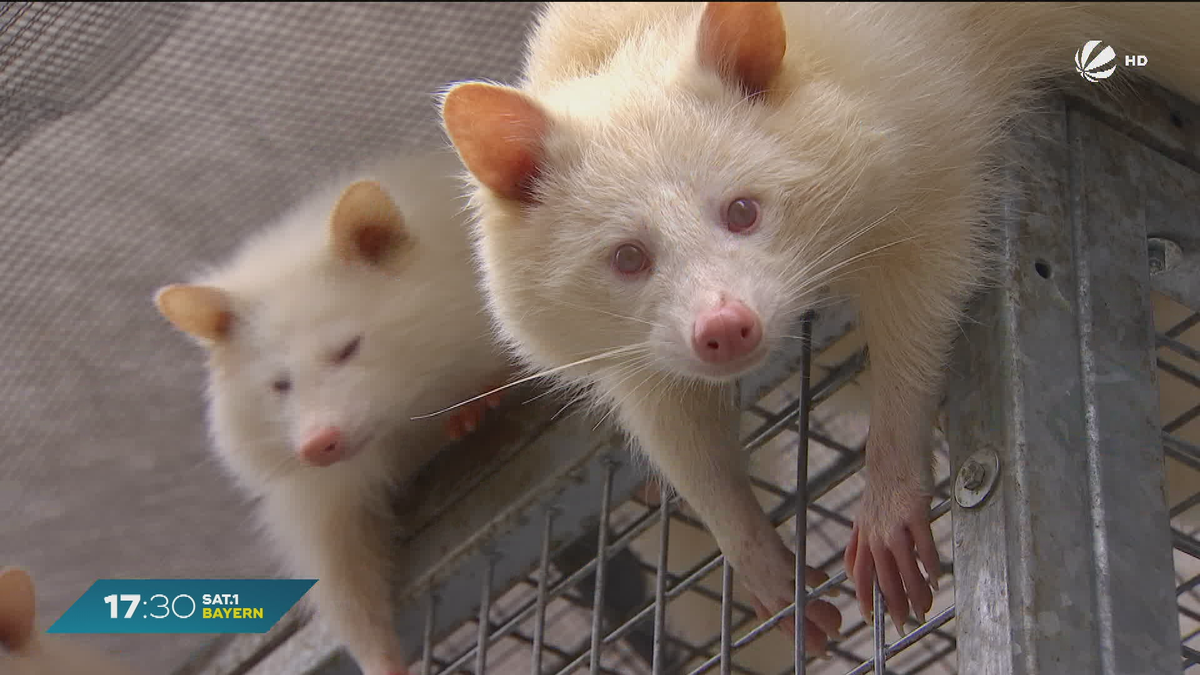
(671, 185)
(25, 651)
(325, 334)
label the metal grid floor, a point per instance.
(545, 623)
(549, 630)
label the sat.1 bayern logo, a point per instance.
(182, 606)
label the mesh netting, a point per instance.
(139, 141)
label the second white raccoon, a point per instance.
(325, 333)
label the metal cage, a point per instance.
(1057, 549)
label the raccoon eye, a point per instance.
(630, 259)
(348, 351)
(741, 215)
(282, 385)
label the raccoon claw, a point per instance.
(885, 546)
(822, 621)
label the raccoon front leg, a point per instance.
(690, 435)
(909, 312)
(342, 539)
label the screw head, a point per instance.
(1158, 259)
(976, 478)
(973, 474)
(1163, 254)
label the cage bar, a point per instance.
(802, 424)
(543, 581)
(597, 614)
(879, 626)
(726, 616)
(660, 578)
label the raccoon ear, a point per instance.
(17, 604)
(365, 225)
(204, 312)
(744, 42)
(498, 134)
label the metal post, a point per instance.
(660, 579)
(799, 657)
(1062, 554)
(539, 626)
(485, 607)
(601, 551)
(727, 617)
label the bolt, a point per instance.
(1158, 256)
(1163, 254)
(973, 473)
(976, 478)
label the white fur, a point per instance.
(872, 155)
(425, 345)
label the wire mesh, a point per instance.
(669, 603)
(1178, 336)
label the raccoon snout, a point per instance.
(323, 447)
(727, 332)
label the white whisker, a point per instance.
(819, 279)
(609, 354)
(614, 408)
(843, 244)
(606, 312)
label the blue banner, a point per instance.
(182, 606)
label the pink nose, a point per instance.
(727, 332)
(323, 447)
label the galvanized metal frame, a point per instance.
(1069, 560)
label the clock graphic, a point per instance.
(168, 606)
